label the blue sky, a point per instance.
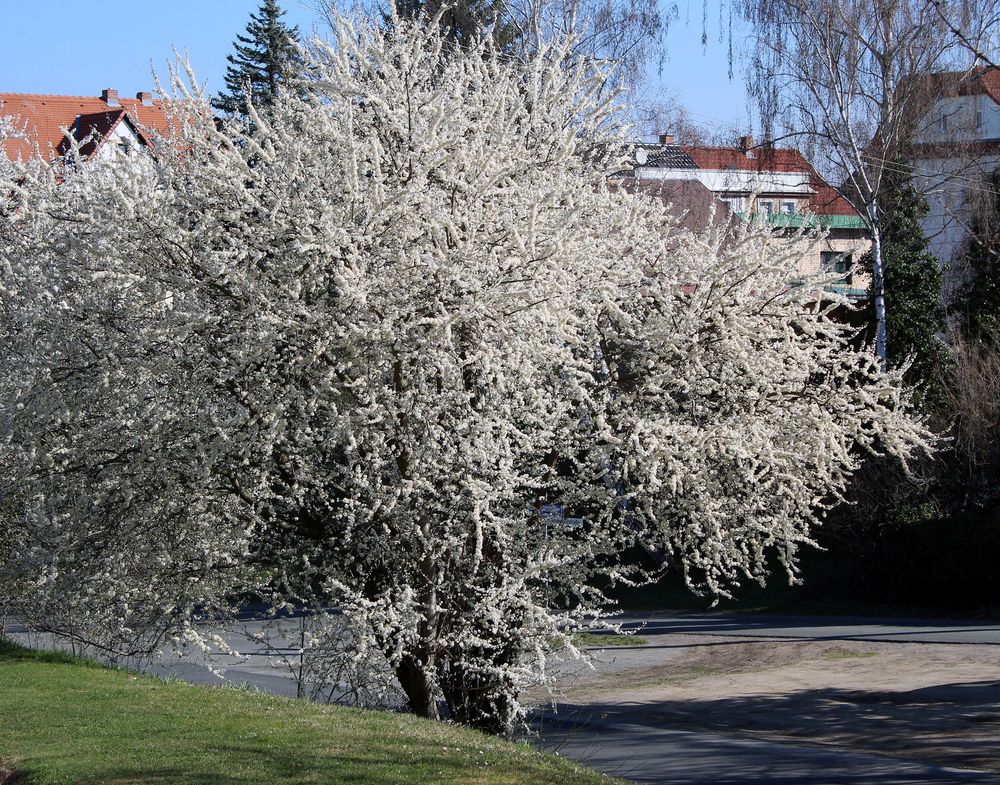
(698, 76)
(74, 47)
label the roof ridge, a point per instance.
(760, 147)
(71, 97)
(106, 110)
(53, 95)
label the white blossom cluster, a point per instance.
(397, 349)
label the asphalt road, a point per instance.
(657, 756)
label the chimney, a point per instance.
(146, 99)
(746, 143)
(666, 138)
(110, 97)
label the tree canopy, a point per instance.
(402, 351)
(464, 22)
(625, 33)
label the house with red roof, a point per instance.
(101, 126)
(956, 148)
(774, 184)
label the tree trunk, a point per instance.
(479, 707)
(413, 678)
(878, 287)
(481, 699)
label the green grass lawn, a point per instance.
(67, 722)
(607, 640)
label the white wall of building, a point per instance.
(735, 181)
(122, 140)
(955, 189)
(964, 118)
(955, 185)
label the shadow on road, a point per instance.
(949, 725)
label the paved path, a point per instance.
(270, 669)
(658, 756)
(818, 628)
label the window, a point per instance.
(979, 119)
(788, 208)
(836, 262)
(735, 203)
(943, 124)
(765, 206)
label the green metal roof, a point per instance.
(810, 221)
(798, 220)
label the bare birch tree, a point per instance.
(628, 33)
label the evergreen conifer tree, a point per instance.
(978, 305)
(912, 274)
(266, 58)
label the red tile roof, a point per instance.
(44, 117)
(990, 81)
(825, 200)
(975, 81)
(765, 159)
(828, 200)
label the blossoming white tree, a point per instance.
(399, 350)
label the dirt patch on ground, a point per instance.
(9, 776)
(929, 702)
